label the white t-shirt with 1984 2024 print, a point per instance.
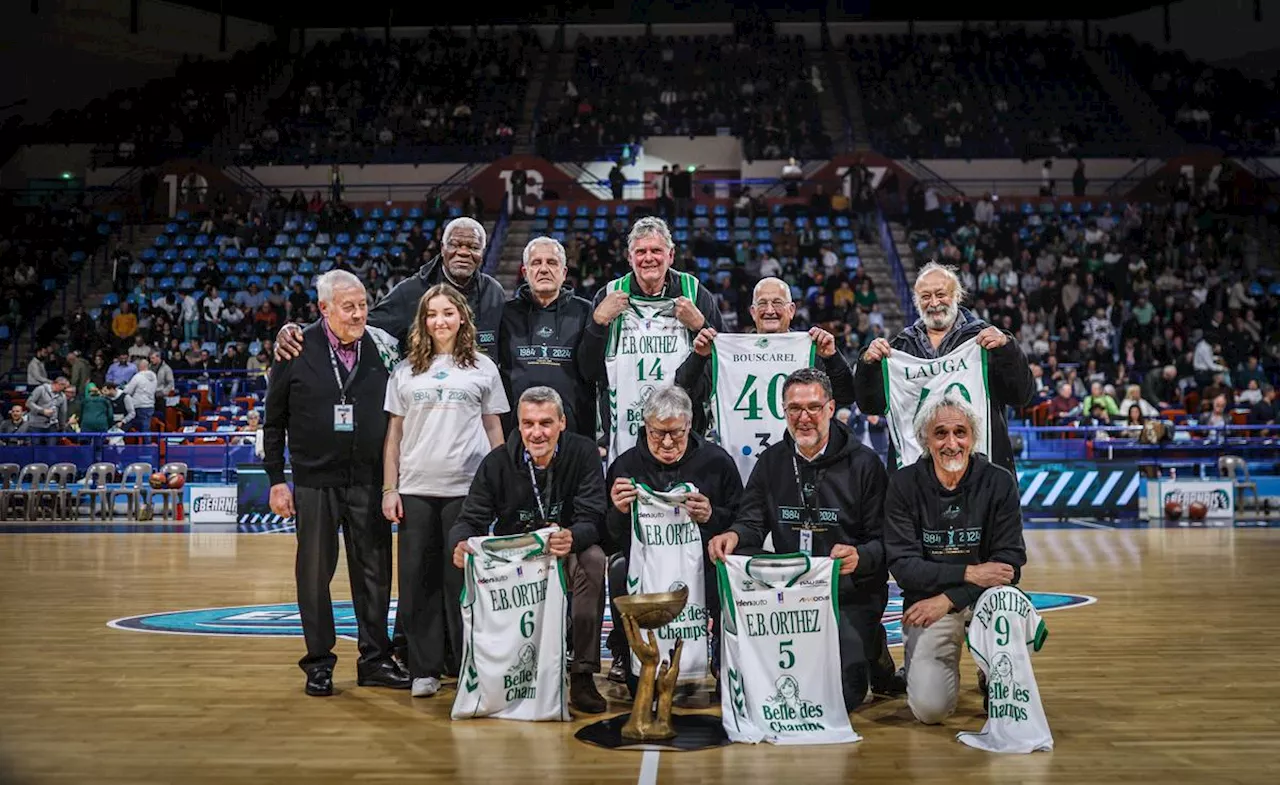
(444, 439)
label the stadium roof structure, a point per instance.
(377, 13)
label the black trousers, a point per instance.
(367, 536)
(585, 572)
(429, 617)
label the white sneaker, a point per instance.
(425, 688)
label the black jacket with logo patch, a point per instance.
(539, 345)
(502, 493)
(848, 501)
(396, 311)
(932, 533)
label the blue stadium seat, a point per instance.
(455, 211)
(342, 238)
(187, 284)
(161, 241)
(322, 239)
(171, 228)
(166, 284)
(415, 212)
(231, 252)
(306, 268)
(363, 239)
(170, 255)
(390, 225)
(680, 235)
(293, 252)
(429, 224)
(251, 253)
(621, 210)
(201, 240)
(179, 269)
(721, 209)
(333, 252)
(302, 238)
(159, 268)
(147, 254)
(700, 210)
(271, 253)
(181, 241)
(383, 238)
(190, 255)
(376, 213)
(242, 268)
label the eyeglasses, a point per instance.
(661, 436)
(776, 305)
(794, 410)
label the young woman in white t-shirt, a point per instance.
(446, 401)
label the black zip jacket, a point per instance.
(846, 506)
(1010, 378)
(703, 464)
(395, 312)
(932, 533)
(694, 375)
(595, 340)
(539, 345)
(300, 399)
(502, 493)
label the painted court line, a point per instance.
(649, 768)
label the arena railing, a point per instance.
(900, 284)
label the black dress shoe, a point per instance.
(583, 694)
(385, 674)
(320, 683)
(621, 668)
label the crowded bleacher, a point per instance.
(358, 99)
(761, 89)
(983, 93)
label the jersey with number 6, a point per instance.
(780, 650)
(646, 345)
(1005, 629)
(747, 374)
(514, 606)
(666, 553)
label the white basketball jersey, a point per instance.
(747, 374)
(1004, 631)
(666, 553)
(910, 381)
(646, 345)
(780, 650)
(514, 607)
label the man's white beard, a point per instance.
(943, 322)
(954, 463)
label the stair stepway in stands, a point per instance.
(1139, 111)
(857, 114)
(512, 257)
(833, 124)
(533, 92)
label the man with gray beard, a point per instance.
(942, 327)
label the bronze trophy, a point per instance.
(648, 612)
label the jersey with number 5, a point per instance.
(747, 374)
(514, 607)
(780, 650)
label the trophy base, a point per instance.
(693, 732)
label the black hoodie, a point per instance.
(538, 345)
(395, 312)
(933, 533)
(1010, 378)
(708, 467)
(850, 481)
(502, 493)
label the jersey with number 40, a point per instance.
(747, 374)
(780, 650)
(514, 606)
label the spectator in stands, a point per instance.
(190, 317)
(124, 324)
(942, 326)
(1133, 400)
(539, 340)
(1265, 411)
(47, 406)
(139, 350)
(16, 422)
(1097, 395)
(96, 412)
(211, 308)
(121, 371)
(37, 373)
(458, 264)
(1161, 389)
(122, 414)
(141, 390)
(329, 406)
(1063, 407)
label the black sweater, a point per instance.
(705, 465)
(300, 399)
(1010, 378)
(932, 534)
(849, 504)
(539, 345)
(502, 493)
(395, 312)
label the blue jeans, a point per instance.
(142, 419)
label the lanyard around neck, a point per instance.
(337, 377)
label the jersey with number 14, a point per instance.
(780, 650)
(646, 345)
(514, 606)
(747, 374)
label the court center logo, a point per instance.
(282, 620)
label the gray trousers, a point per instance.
(933, 666)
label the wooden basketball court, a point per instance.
(1167, 678)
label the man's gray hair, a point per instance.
(541, 394)
(334, 280)
(950, 273)
(786, 290)
(551, 241)
(932, 407)
(668, 403)
(465, 223)
(647, 226)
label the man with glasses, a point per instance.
(459, 263)
(820, 492)
(667, 455)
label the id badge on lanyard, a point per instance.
(806, 541)
(810, 512)
(344, 414)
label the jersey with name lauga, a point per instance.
(444, 439)
(910, 381)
